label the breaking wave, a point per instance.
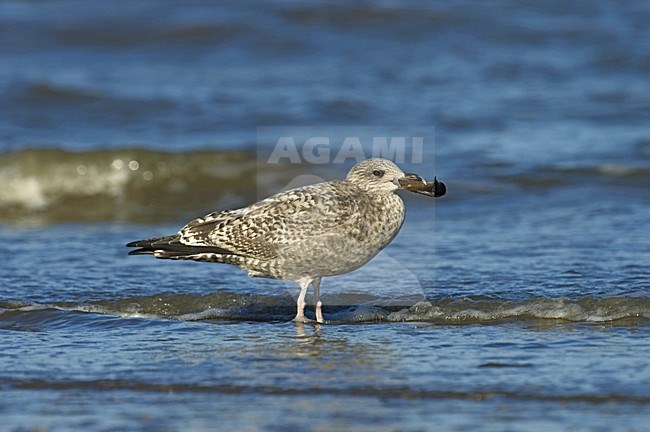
(226, 306)
(150, 186)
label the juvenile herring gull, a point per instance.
(302, 234)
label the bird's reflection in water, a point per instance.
(308, 335)
(326, 351)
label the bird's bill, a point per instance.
(415, 183)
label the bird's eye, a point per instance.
(378, 173)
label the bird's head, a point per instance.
(382, 175)
(376, 174)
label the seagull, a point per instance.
(302, 234)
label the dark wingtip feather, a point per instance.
(147, 243)
(171, 247)
(141, 252)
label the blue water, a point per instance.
(519, 301)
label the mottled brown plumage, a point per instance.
(303, 234)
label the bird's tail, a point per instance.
(170, 247)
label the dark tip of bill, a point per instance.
(439, 188)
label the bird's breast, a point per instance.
(384, 219)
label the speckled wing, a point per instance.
(263, 229)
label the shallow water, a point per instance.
(112, 374)
(519, 301)
(115, 342)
